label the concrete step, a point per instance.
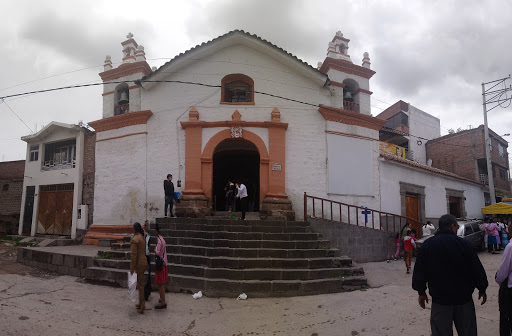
(237, 235)
(279, 244)
(263, 273)
(232, 288)
(251, 252)
(247, 263)
(232, 228)
(120, 246)
(163, 222)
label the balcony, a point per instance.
(58, 164)
(121, 109)
(484, 179)
(59, 155)
(350, 106)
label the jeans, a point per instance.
(169, 201)
(243, 206)
(443, 317)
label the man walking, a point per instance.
(504, 279)
(242, 195)
(452, 270)
(147, 288)
(169, 195)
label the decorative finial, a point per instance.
(129, 36)
(339, 33)
(108, 58)
(366, 54)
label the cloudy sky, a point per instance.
(432, 54)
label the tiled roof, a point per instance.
(425, 167)
(227, 35)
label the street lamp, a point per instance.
(498, 97)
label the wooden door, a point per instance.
(55, 214)
(412, 211)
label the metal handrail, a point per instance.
(367, 218)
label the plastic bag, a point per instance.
(242, 296)
(132, 286)
(198, 295)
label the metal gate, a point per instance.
(55, 213)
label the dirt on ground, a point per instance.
(8, 264)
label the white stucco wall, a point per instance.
(391, 174)
(424, 125)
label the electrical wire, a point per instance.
(3, 101)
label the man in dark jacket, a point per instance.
(169, 195)
(452, 270)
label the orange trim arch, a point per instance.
(207, 160)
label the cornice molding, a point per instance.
(346, 67)
(126, 69)
(350, 118)
(120, 121)
(233, 123)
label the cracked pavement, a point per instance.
(41, 303)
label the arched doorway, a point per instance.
(236, 159)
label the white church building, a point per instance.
(240, 107)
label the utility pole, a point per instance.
(497, 97)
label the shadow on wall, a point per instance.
(359, 243)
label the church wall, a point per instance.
(435, 190)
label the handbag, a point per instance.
(159, 262)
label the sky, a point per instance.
(432, 54)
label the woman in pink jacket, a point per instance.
(161, 275)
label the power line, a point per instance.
(3, 101)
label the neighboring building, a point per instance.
(11, 184)
(404, 119)
(53, 187)
(463, 153)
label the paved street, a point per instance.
(39, 303)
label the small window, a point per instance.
(237, 89)
(5, 187)
(34, 153)
(501, 150)
(503, 174)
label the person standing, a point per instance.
(169, 195)
(147, 288)
(409, 246)
(242, 195)
(138, 262)
(451, 269)
(230, 194)
(504, 279)
(504, 233)
(427, 229)
(161, 275)
(491, 229)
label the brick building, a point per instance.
(463, 153)
(11, 183)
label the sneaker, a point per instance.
(161, 306)
(408, 272)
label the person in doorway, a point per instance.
(138, 262)
(147, 287)
(230, 195)
(451, 269)
(170, 196)
(409, 246)
(504, 279)
(161, 275)
(427, 229)
(242, 195)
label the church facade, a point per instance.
(238, 107)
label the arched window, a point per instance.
(121, 99)
(237, 89)
(350, 102)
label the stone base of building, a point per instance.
(280, 209)
(193, 206)
(99, 231)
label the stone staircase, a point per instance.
(224, 257)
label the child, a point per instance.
(409, 245)
(398, 244)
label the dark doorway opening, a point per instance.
(29, 209)
(455, 208)
(236, 159)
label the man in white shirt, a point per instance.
(427, 229)
(242, 195)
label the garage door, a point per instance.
(55, 213)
